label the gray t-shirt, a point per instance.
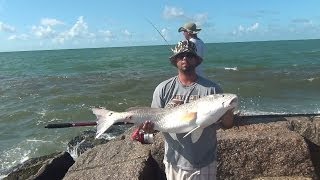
(181, 151)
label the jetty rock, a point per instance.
(282, 149)
(249, 150)
(307, 127)
(53, 166)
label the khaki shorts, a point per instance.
(205, 173)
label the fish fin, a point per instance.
(195, 135)
(188, 116)
(137, 108)
(102, 123)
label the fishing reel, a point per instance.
(142, 137)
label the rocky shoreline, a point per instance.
(284, 148)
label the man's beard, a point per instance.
(188, 69)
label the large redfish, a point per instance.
(186, 118)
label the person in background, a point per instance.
(182, 158)
(190, 32)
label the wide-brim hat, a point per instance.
(184, 47)
(190, 27)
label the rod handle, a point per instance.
(59, 125)
(66, 125)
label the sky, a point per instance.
(27, 25)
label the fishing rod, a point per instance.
(93, 123)
(158, 31)
(278, 115)
(78, 124)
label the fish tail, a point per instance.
(103, 123)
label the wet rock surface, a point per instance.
(52, 166)
(86, 140)
(83, 142)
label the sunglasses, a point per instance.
(187, 55)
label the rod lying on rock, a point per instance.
(94, 123)
(75, 124)
(188, 118)
(280, 115)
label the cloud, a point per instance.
(50, 22)
(165, 34)
(18, 37)
(127, 33)
(6, 28)
(201, 19)
(257, 14)
(177, 13)
(304, 22)
(254, 27)
(243, 30)
(43, 32)
(107, 35)
(172, 12)
(78, 31)
(304, 26)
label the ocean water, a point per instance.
(41, 87)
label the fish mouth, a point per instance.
(232, 102)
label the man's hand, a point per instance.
(144, 133)
(227, 119)
(147, 127)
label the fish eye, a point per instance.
(110, 114)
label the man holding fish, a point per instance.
(188, 109)
(186, 158)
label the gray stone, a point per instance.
(263, 150)
(284, 149)
(308, 127)
(244, 152)
(120, 158)
(52, 166)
